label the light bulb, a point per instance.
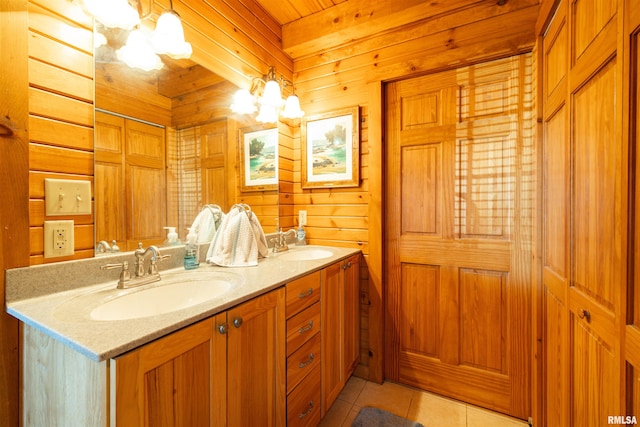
(137, 53)
(292, 108)
(271, 95)
(243, 102)
(267, 114)
(168, 38)
(113, 13)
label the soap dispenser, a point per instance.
(191, 255)
(172, 237)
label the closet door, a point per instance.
(584, 223)
(459, 174)
(632, 333)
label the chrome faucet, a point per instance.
(103, 247)
(280, 240)
(141, 277)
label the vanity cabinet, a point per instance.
(209, 373)
(303, 350)
(340, 327)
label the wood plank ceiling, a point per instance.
(286, 11)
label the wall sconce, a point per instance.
(265, 96)
(142, 47)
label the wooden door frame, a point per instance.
(375, 261)
(14, 188)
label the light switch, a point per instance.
(67, 197)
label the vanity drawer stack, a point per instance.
(303, 350)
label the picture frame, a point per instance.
(330, 146)
(259, 158)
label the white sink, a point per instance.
(176, 290)
(160, 299)
(307, 254)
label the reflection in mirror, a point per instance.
(162, 149)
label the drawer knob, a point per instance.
(223, 328)
(306, 327)
(305, 294)
(584, 314)
(308, 411)
(308, 361)
(237, 322)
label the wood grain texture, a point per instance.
(469, 260)
(14, 186)
(72, 389)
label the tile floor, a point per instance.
(417, 405)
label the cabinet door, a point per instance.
(167, 382)
(351, 315)
(331, 300)
(256, 359)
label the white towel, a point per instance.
(239, 240)
(207, 222)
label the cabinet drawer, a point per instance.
(303, 404)
(302, 292)
(302, 361)
(302, 326)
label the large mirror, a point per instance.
(165, 146)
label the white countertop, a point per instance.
(42, 299)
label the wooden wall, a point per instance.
(342, 57)
(60, 69)
(47, 117)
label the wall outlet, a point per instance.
(302, 217)
(58, 238)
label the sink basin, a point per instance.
(175, 291)
(309, 254)
(160, 299)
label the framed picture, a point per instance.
(259, 158)
(331, 149)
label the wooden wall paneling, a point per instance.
(60, 70)
(349, 21)
(228, 39)
(14, 190)
(132, 93)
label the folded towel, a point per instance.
(207, 223)
(239, 240)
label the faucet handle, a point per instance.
(125, 274)
(153, 266)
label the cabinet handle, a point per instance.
(237, 322)
(305, 294)
(584, 314)
(306, 328)
(308, 362)
(223, 328)
(307, 412)
(347, 265)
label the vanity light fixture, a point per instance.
(142, 48)
(265, 96)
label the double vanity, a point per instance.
(269, 345)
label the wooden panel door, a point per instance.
(351, 327)
(109, 196)
(256, 362)
(584, 185)
(632, 332)
(213, 151)
(145, 183)
(331, 301)
(458, 247)
(167, 382)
